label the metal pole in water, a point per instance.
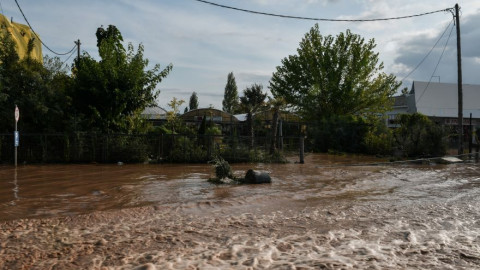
(16, 136)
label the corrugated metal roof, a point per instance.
(441, 99)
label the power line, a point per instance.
(65, 62)
(435, 70)
(321, 19)
(425, 57)
(21, 11)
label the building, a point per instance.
(155, 115)
(223, 119)
(438, 101)
(22, 35)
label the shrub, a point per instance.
(419, 136)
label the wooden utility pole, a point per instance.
(460, 90)
(78, 50)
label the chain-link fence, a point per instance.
(110, 148)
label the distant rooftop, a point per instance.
(441, 99)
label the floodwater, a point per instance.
(324, 214)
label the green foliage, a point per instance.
(193, 103)
(186, 150)
(378, 142)
(252, 100)
(338, 133)
(230, 97)
(111, 93)
(174, 122)
(418, 136)
(222, 168)
(130, 149)
(334, 76)
(38, 91)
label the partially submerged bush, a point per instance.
(222, 169)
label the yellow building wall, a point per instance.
(21, 34)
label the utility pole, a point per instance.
(78, 50)
(460, 90)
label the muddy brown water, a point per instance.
(324, 214)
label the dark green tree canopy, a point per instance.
(193, 103)
(230, 97)
(334, 76)
(38, 90)
(111, 33)
(252, 100)
(111, 93)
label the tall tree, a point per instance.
(193, 103)
(334, 76)
(276, 105)
(111, 93)
(230, 96)
(173, 118)
(38, 90)
(252, 100)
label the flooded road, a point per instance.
(320, 215)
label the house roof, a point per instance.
(400, 101)
(217, 115)
(441, 99)
(154, 112)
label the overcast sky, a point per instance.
(204, 43)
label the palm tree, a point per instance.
(276, 104)
(251, 101)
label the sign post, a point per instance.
(16, 134)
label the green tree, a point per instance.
(419, 136)
(111, 93)
(172, 116)
(193, 103)
(230, 96)
(252, 100)
(38, 90)
(276, 105)
(334, 76)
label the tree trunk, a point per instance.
(252, 131)
(273, 145)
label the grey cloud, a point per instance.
(470, 33)
(413, 50)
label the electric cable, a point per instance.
(435, 70)
(65, 62)
(54, 52)
(321, 19)
(425, 57)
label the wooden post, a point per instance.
(460, 90)
(470, 136)
(280, 134)
(302, 150)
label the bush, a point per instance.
(418, 136)
(338, 133)
(379, 139)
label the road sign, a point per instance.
(17, 113)
(17, 138)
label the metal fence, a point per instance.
(110, 148)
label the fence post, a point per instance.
(184, 148)
(478, 149)
(280, 134)
(302, 149)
